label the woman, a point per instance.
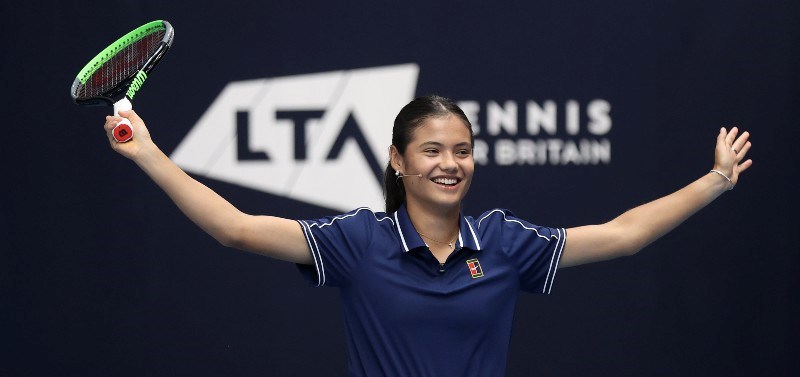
(428, 291)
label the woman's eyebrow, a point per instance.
(438, 144)
(432, 143)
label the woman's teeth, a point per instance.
(445, 181)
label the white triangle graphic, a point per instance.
(372, 96)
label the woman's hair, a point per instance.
(411, 116)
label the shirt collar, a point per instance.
(410, 238)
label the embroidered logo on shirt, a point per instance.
(475, 268)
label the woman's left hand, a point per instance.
(730, 152)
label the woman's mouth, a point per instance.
(446, 181)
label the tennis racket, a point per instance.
(117, 73)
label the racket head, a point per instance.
(122, 67)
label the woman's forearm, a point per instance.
(633, 230)
(648, 222)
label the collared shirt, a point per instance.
(408, 315)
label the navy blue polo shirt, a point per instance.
(408, 315)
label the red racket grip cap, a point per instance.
(122, 131)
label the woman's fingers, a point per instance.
(111, 122)
(741, 152)
(731, 136)
(740, 142)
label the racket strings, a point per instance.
(121, 66)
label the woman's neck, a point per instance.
(435, 223)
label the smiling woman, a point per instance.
(443, 113)
(425, 288)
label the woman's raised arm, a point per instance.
(638, 227)
(271, 236)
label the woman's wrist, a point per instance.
(149, 155)
(723, 178)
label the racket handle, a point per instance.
(123, 132)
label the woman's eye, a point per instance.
(463, 152)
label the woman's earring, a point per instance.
(397, 174)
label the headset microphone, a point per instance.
(401, 175)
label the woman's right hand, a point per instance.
(140, 142)
(730, 152)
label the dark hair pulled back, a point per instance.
(412, 116)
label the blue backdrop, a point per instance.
(583, 110)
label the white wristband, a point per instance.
(726, 177)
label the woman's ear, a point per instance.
(395, 158)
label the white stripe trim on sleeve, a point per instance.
(548, 281)
(351, 215)
(314, 253)
(515, 221)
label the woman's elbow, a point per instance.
(634, 244)
(629, 238)
(228, 241)
(230, 236)
(630, 251)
